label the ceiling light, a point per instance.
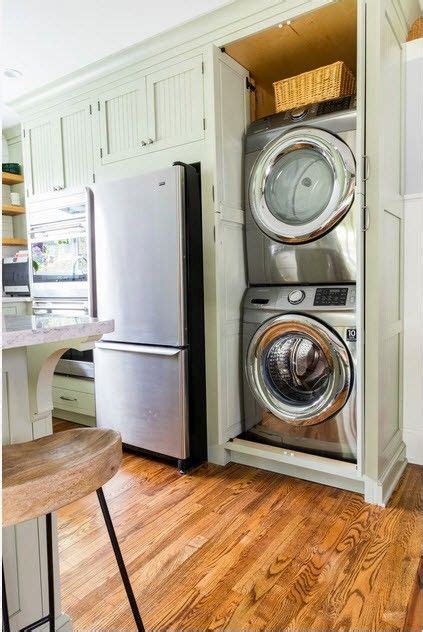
(280, 25)
(12, 73)
(288, 22)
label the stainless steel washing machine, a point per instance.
(300, 211)
(299, 354)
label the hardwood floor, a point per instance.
(237, 548)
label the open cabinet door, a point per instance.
(385, 30)
(231, 117)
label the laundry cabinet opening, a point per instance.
(294, 357)
(295, 46)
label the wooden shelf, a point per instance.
(12, 209)
(14, 241)
(11, 178)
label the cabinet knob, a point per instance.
(143, 143)
(150, 140)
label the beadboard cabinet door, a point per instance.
(122, 121)
(41, 140)
(75, 147)
(175, 104)
(58, 153)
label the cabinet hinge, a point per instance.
(98, 106)
(366, 219)
(91, 109)
(213, 192)
(101, 153)
(202, 67)
(204, 123)
(249, 85)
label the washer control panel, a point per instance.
(303, 298)
(330, 296)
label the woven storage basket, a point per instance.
(322, 84)
(416, 30)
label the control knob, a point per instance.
(296, 296)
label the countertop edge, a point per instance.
(31, 337)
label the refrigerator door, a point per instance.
(138, 229)
(141, 391)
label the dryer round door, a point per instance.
(301, 185)
(299, 369)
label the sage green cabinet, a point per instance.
(58, 152)
(152, 112)
(122, 121)
(175, 104)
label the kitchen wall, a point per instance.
(413, 254)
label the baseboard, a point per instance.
(63, 623)
(413, 440)
(323, 478)
(379, 492)
(218, 455)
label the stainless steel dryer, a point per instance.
(299, 353)
(300, 180)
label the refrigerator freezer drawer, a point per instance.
(141, 391)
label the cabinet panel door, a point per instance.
(175, 104)
(122, 112)
(76, 160)
(42, 168)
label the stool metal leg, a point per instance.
(5, 609)
(50, 573)
(119, 560)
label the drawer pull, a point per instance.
(69, 399)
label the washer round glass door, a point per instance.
(299, 369)
(301, 185)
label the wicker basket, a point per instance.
(322, 84)
(416, 30)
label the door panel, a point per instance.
(175, 104)
(386, 32)
(140, 266)
(123, 121)
(76, 147)
(150, 411)
(42, 172)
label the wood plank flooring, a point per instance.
(237, 548)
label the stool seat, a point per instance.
(43, 475)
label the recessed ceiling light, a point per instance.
(280, 25)
(12, 73)
(288, 22)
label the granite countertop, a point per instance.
(16, 299)
(25, 331)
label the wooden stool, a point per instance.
(43, 475)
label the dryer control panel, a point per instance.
(330, 296)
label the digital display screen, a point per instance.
(331, 296)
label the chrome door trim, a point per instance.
(336, 352)
(151, 350)
(342, 162)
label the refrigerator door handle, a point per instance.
(92, 296)
(117, 346)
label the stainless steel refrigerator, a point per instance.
(147, 275)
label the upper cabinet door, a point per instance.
(175, 104)
(76, 156)
(58, 153)
(42, 169)
(122, 121)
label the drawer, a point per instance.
(67, 399)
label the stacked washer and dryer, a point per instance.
(299, 312)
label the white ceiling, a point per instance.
(48, 39)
